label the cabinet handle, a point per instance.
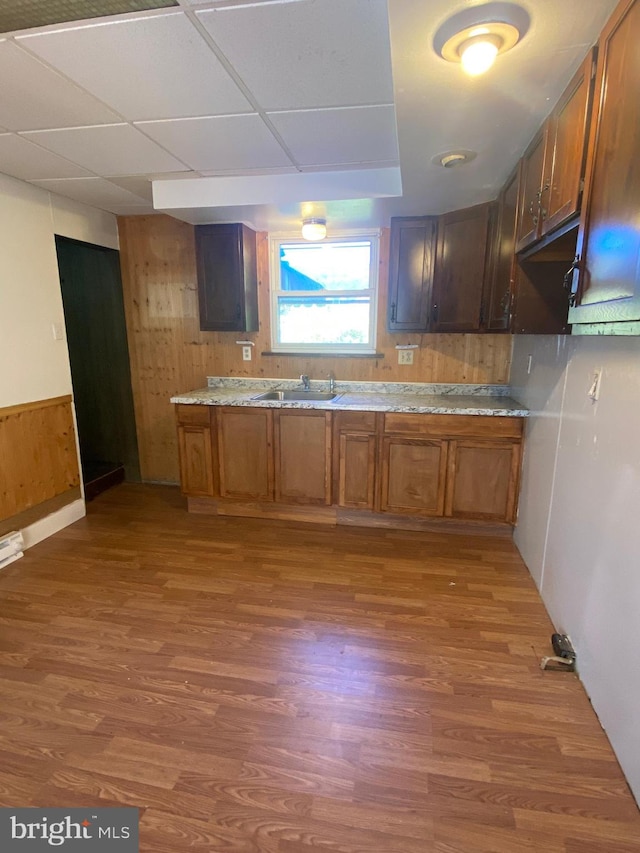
(533, 215)
(544, 213)
(434, 313)
(567, 281)
(393, 312)
(238, 311)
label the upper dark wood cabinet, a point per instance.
(553, 166)
(462, 269)
(607, 287)
(498, 302)
(227, 278)
(566, 149)
(411, 262)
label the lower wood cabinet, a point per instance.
(195, 447)
(482, 479)
(355, 447)
(245, 453)
(302, 442)
(413, 476)
(399, 464)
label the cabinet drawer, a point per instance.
(193, 415)
(357, 421)
(443, 426)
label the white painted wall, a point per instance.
(34, 366)
(579, 522)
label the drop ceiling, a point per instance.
(207, 103)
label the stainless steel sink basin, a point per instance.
(308, 396)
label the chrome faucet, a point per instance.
(332, 382)
(305, 382)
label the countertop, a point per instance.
(419, 398)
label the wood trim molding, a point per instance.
(36, 405)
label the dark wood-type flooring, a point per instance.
(281, 688)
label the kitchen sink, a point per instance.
(308, 396)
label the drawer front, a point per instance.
(193, 415)
(356, 421)
(444, 426)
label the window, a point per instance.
(323, 294)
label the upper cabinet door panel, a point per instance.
(609, 239)
(502, 280)
(411, 273)
(227, 278)
(530, 192)
(461, 266)
(566, 150)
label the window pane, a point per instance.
(325, 266)
(323, 320)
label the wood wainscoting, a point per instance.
(38, 459)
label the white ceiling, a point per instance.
(97, 110)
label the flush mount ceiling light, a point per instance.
(314, 229)
(451, 159)
(475, 36)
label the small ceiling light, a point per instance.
(450, 159)
(475, 36)
(314, 229)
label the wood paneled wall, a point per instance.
(170, 354)
(38, 456)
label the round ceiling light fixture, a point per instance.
(475, 36)
(314, 229)
(451, 159)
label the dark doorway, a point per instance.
(99, 355)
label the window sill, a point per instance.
(288, 354)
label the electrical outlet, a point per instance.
(246, 353)
(405, 356)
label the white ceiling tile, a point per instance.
(221, 144)
(141, 184)
(21, 159)
(146, 68)
(311, 53)
(38, 97)
(96, 192)
(116, 149)
(342, 136)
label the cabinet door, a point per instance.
(302, 457)
(461, 269)
(245, 453)
(503, 274)
(355, 480)
(227, 278)
(531, 171)
(482, 479)
(196, 460)
(413, 476)
(609, 238)
(566, 150)
(412, 251)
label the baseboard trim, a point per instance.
(339, 516)
(53, 523)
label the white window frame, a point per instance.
(354, 235)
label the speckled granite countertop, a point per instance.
(421, 398)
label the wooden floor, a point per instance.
(279, 688)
